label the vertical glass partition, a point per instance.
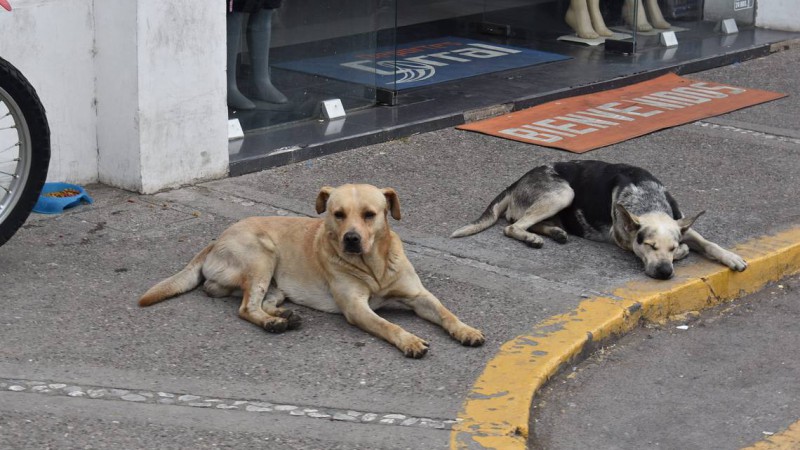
(285, 57)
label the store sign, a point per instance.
(422, 63)
(409, 69)
(742, 4)
(587, 122)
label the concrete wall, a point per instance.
(134, 89)
(778, 14)
(51, 43)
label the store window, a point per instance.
(274, 46)
(285, 57)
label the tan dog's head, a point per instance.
(654, 238)
(357, 214)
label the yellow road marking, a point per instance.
(788, 439)
(496, 412)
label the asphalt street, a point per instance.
(722, 379)
(82, 366)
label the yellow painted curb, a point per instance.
(788, 439)
(496, 412)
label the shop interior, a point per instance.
(403, 66)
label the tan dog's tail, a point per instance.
(488, 218)
(187, 279)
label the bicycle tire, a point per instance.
(16, 92)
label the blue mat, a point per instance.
(421, 63)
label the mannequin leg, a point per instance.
(641, 19)
(578, 19)
(654, 13)
(598, 23)
(258, 41)
(235, 23)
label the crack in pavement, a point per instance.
(754, 133)
(475, 263)
(107, 393)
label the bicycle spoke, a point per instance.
(10, 147)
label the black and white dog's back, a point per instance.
(603, 202)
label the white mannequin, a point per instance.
(584, 17)
(259, 31)
(653, 12)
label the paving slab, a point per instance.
(721, 171)
(776, 73)
(83, 313)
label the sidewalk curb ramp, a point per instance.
(496, 412)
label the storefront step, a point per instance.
(447, 104)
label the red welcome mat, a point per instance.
(587, 122)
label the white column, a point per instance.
(777, 15)
(161, 98)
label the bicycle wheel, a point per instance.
(24, 149)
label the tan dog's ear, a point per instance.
(687, 222)
(322, 199)
(629, 221)
(392, 202)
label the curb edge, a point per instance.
(496, 412)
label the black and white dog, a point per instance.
(603, 202)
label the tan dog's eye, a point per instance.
(369, 215)
(653, 246)
(672, 249)
(339, 215)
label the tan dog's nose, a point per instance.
(352, 242)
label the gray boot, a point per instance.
(259, 33)
(236, 100)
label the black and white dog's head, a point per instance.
(655, 238)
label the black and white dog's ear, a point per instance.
(629, 221)
(687, 222)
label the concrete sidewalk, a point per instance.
(70, 285)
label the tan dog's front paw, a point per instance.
(413, 347)
(293, 320)
(469, 336)
(276, 325)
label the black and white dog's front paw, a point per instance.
(733, 261)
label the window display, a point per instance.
(254, 16)
(267, 38)
(286, 58)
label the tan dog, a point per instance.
(351, 262)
